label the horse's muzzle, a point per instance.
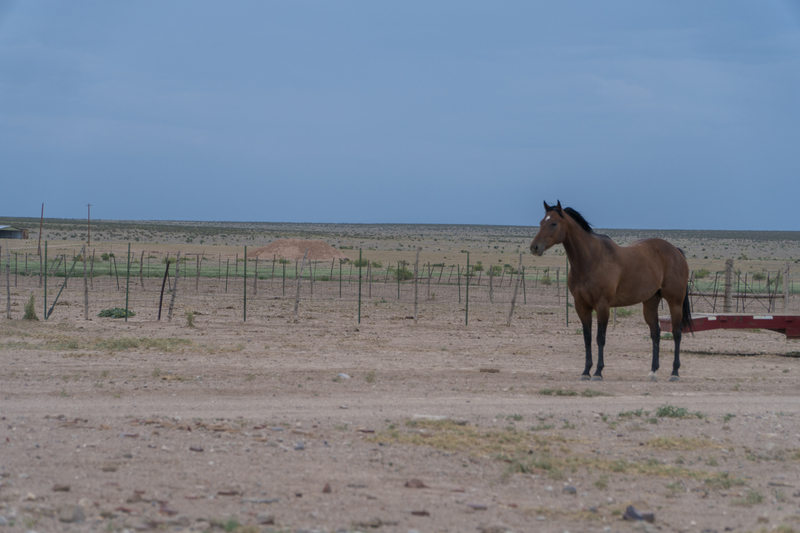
(537, 248)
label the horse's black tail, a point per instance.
(686, 320)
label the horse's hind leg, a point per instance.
(650, 311)
(676, 314)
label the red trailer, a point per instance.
(789, 325)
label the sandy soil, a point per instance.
(322, 424)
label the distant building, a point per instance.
(10, 232)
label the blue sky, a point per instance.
(668, 115)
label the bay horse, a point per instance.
(604, 275)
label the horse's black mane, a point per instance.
(579, 219)
(576, 216)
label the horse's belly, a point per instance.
(626, 295)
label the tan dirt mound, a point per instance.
(295, 248)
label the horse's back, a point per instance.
(674, 267)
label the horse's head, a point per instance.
(552, 229)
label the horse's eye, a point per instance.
(554, 224)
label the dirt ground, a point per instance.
(324, 424)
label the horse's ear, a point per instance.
(546, 207)
(558, 206)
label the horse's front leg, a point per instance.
(585, 315)
(602, 325)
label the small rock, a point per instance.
(265, 519)
(327, 488)
(375, 523)
(631, 513)
(477, 506)
(343, 375)
(570, 490)
(71, 514)
(3, 521)
(300, 445)
(493, 529)
(415, 484)
(58, 487)
(549, 488)
(420, 513)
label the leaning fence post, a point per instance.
(163, 284)
(514, 298)
(174, 286)
(726, 308)
(359, 285)
(141, 270)
(524, 293)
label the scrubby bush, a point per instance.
(30, 310)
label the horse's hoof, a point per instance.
(597, 378)
(584, 377)
(674, 378)
(653, 376)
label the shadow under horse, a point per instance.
(604, 275)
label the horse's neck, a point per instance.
(584, 249)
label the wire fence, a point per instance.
(239, 289)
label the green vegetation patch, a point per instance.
(670, 411)
(587, 393)
(680, 443)
(115, 312)
(524, 451)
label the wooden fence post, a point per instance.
(430, 273)
(85, 290)
(174, 286)
(255, 279)
(297, 297)
(491, 283)
(726, 308)
(127, 281)
(786, 287)
(141, 270)
(8, 280)
(244, 287)
(416, 299)
(91, 271)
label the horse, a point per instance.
(604, 275)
